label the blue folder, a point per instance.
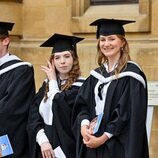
(98, 122)
(5, 146)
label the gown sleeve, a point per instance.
(35, 121)
(132, 100)
(83, 108)
(137, 125)
(128, 120)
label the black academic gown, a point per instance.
(124, 115)
(17, 89)
(59, 133)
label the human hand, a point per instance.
(49, 70)
(85, 132)
(47, 151)
(92, 126)
(94, 142)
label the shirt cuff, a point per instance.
(53, 85)
(53, 89)
(85, 122)
(109, 135)
(41, 137)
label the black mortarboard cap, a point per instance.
(5, 27)
(110, 26)
(61, 42)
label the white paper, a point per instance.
(59, 153)
(153, 93)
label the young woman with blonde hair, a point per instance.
(116, 94)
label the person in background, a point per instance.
(49, 124)
(17, 89)
(115, 94)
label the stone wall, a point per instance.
(36, 20)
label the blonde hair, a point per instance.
(124, 56)
(73, 74)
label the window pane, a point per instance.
(113, 1)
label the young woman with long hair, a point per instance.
(49, 125)
(115, 96)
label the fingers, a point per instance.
(84, 132)
(48, 154)
(49, 72)
(48, 67)
(49, 64)
(47, 151)
(90, 143)
(87, 143)
(87, 140)
(44, 68)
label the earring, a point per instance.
(122, 49)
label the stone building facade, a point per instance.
(36, 20)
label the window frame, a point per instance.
(16, 1)
(101, 2)
(83, 14)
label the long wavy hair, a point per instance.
(73, 74)
(124, 55)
